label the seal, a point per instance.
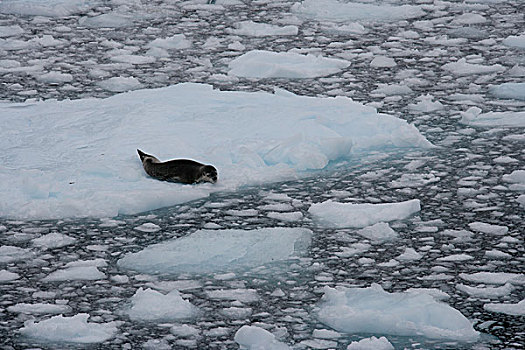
(186, 171)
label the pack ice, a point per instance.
(221, 250)
(78, 158)
(373, 310)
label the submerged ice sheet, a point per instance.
(250, 138)
(373, 310)
(340, 215)
(219, 250)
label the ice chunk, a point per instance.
(486, 292)
(251, 28)
(490, 229)
(373, 310)
(256, 338)
(120, 84)
(494, 277)
(371, 343)
(150, 305)
(509, 90)
(340, 11)
(474, 117)
(148, 227)
(7, 276)
(515, 41)
(219, 250)
(340, 215)
(75, 329)
(39, 308)
(509, 309)
(48, 8)
(267, 64)
(409, 254)
(462, 68)
(175, 42)
(76, 273)
(53, 240)
(10, 253)
(107, 20)
(379, 232)
(383, 62)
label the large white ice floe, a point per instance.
(474, 117)
(342, 11)
(150, 305)
(75, 329)
(219, 250)
(269, 64)
(48, 8)
(373, 310)
(78, 158)
(340, 215)
(257, 338)
(509, 309)
(509, 90)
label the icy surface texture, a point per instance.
(220, 250)
(372, 310)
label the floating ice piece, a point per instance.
(219, 250)
(250, 28)
(8, 31)
(490, 229)
(515, 41)
(383, 62)
(73, 329)
(509, 309)
(486, 292)
(409, 254)
(55, 78)
(462, 68)
(339, 11)
(340, 215)
(371, 343)
(150, 305)
(256, 338)
(148, 227)
(7, 276)
(469, 18)
(48, 8)
(120, 84)
(133, 59)
(10, 253)
(393, 89)
(289, 217)
(268, 64)
(517, 176)
(175, 42)
(251, 138)
(75, 273)
(494, 277)
(39, 308)
(373, 310)
(107, 20)
(53, 240)
(456, 257)
(426, 105)
(509, 90)
(379, 232)
(240, 295)
(474, 117)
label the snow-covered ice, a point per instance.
(371, 343)
(256, 338)
(150, 305)
(509, 309)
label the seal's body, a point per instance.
(186, 171)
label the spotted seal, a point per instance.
(186, 171)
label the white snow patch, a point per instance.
(75, 329)
(373, 310)
(150, 305)
(340, 215)
(268, 64)
(219, 250)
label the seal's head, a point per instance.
(146, 158)
(209, 174)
